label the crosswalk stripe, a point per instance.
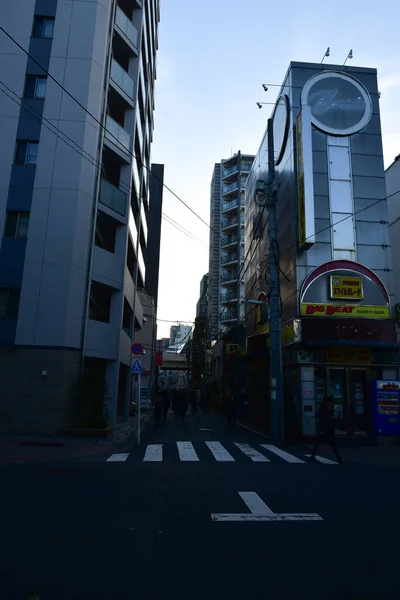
(252, 453)
(322, 459)
(117, 457)
(282, 454)
(154, 453)
(186, 452)
(219, 452)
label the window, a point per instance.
(26, 153)
(9, 303)
(16, 224)
(43, 27)
(35, 87)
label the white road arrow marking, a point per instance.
(259, 511)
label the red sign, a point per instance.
(159, 359)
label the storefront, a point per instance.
(343, 340)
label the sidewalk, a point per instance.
(32, 449)
(383, 456)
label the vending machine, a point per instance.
(386, 407)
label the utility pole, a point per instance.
(266, 195)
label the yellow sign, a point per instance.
(342, 310)
(347, 287)
(359, 356)
(300, 181)
(232, 349)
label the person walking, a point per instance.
(166, 404)
(231, 408)
(326, 430)
(158, 409)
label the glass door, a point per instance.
(337, 391)
(358, 401)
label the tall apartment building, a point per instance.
(76, 125)
(225, 291)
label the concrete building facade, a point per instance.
(393, 200)
(74, 199)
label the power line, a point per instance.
(108, 132)
(79, 150)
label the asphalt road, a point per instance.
(99, 529)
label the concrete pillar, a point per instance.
(112, 374)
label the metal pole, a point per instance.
(276, 378)
(138, 409)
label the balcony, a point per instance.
(229, 189)
(229, 277)
(229, 206)
(225, 317)
(229, 258)
(126, 26)
(228, 172)
(118, 135)
(102, 340)
(107, 268)
(228, 240)
(227, 298)
(121, 78)
(229, 223)
(113, 197)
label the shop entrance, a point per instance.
(349, 391)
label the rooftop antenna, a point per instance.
(327, 53)
(348, 57)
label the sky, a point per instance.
(213, 58)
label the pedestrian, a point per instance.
(157, 409)
(326, 430)
(231, 407)
(166, 404)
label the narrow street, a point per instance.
(194, 513)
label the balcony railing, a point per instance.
(229, 205)
(126, 26)
(229, 277)
(229, 171)
(228, 298)
(113, 197)
(227, 317)
(228, 223)
(117, 135)
(229, 239)
(229, 258)
(122, 79)
(229, 188)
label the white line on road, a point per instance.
(219, 452)
(153, 453)
(187, 452)
(261, 512)
(252, 453)
(254, 503)
(322, 459)
(117, 457)
(285, 455)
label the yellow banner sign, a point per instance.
(232, 349)
(342, 310)
(349, 287)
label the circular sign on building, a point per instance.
(340, 104)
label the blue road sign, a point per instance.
(136, 367)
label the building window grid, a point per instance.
(26, 152)
(17, 223)
(35, 87)
(43, 27)
(9, 302)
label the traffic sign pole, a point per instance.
(138, 409)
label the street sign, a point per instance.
(136, 367)
(232, 349)
(137, 349)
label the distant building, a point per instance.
(227, 203)
(202, 304)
